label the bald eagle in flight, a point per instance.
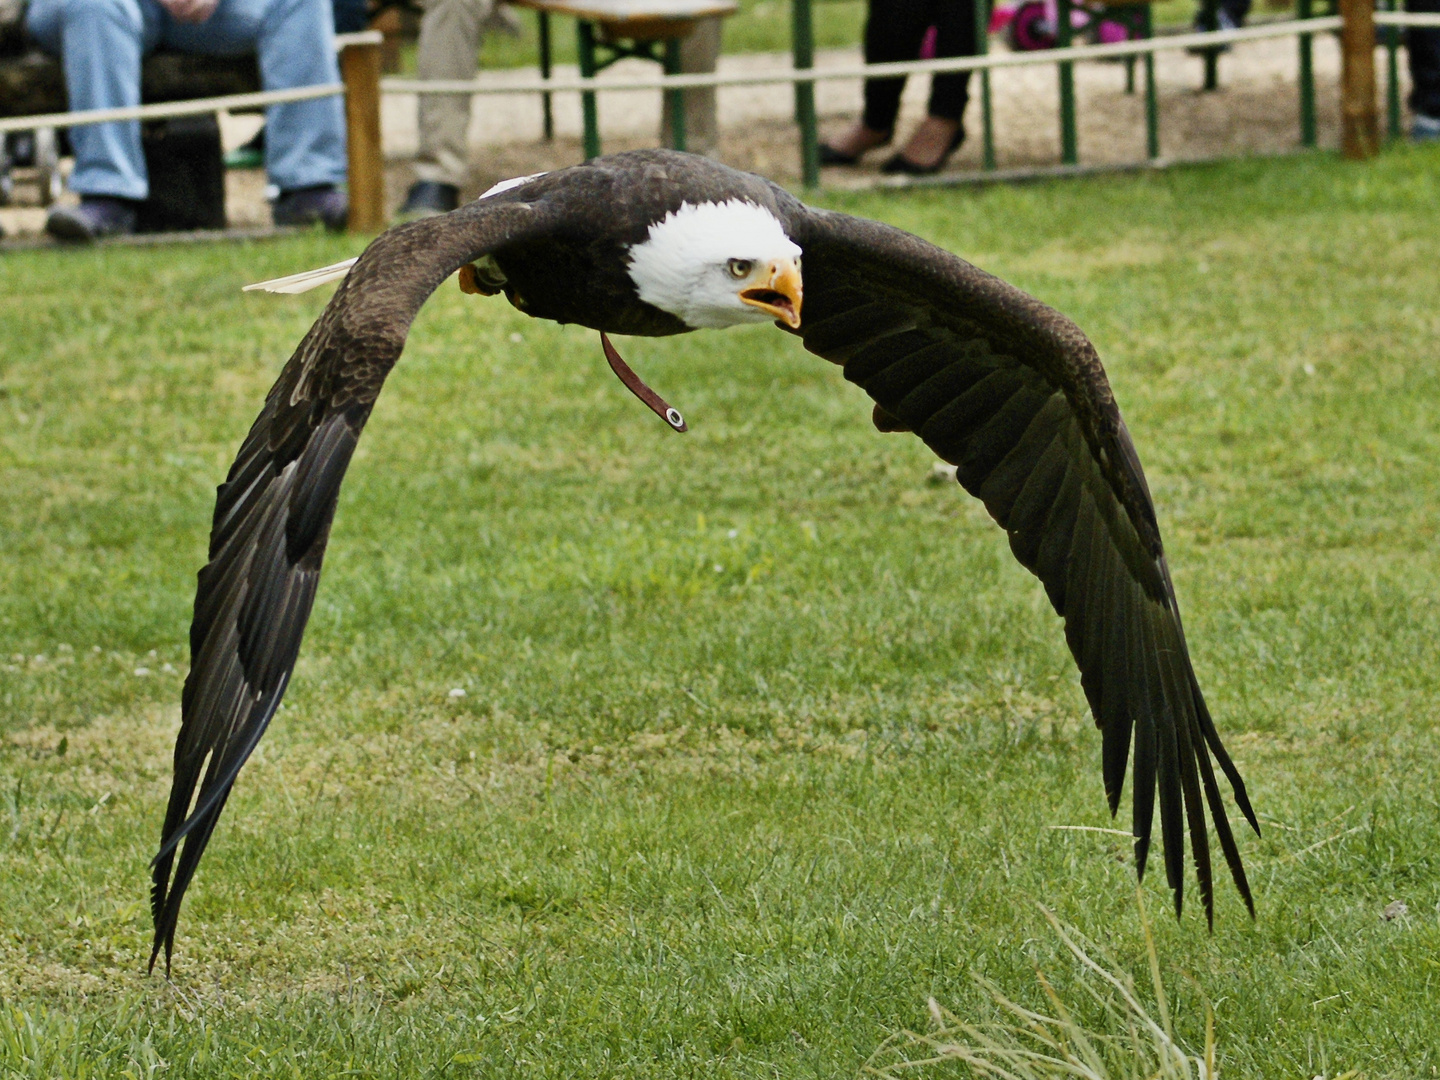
(653, 243)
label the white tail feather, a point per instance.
(310, 279)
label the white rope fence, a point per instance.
(1427, 20)
(198, 107)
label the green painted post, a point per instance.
(1069, 151)
(1392, 77)
(1152, 102)
(802, 43)
(675, 99)
(987, 117)
(1307, 79)
(544, 19)
(587, 97)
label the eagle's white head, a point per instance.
(719, 264)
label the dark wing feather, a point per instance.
(273, 514)
(1011, 393)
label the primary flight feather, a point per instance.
(655, 243)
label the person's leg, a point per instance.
(1234, 12)
(101, 43)
(449, 47)
(943, 129)
(1424, 49)
(955, 23)
(295, 41)
(894, 30)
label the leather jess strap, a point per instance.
(636, 386)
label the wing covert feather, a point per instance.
(273, 515)
(1013, 394)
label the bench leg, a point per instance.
(1307, 79)
(802, 45)
(1069, 148)
(675, 99)
(586, 32)
(1152, 102)
(360, 68)
(987, 116)
(543, 17)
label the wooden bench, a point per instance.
(648, 29)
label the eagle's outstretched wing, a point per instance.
(273, 513)
(1012, 393)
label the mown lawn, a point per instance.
(764, 734)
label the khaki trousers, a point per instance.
(450, 33)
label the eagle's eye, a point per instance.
(740, 268)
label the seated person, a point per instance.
(101, 42)
(894, 30)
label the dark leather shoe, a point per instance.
(901, 165)
(427, 198)
(96, 216)
(326, 204)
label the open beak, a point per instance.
(780, 295)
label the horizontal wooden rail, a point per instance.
(989, 61)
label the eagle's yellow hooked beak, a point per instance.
(780, 293)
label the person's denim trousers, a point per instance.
(100, 43)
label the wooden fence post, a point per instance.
(1359, 116)
(360, 68)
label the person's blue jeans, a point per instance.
(100, 43)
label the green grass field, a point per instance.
(765, 736)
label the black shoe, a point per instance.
(427, 198)
(900, 164)
(830, 156)
(326, 204)
(96, 216)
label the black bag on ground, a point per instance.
(187, 175)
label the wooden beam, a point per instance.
(1359, 115)
(360, 68)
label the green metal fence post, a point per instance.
(1152, 102)
(1392, 76)
(586, 34)
(1307, 79)
(802, 43)
(545, 98)
(1069, 151)
(987, 118)
(675, 99)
